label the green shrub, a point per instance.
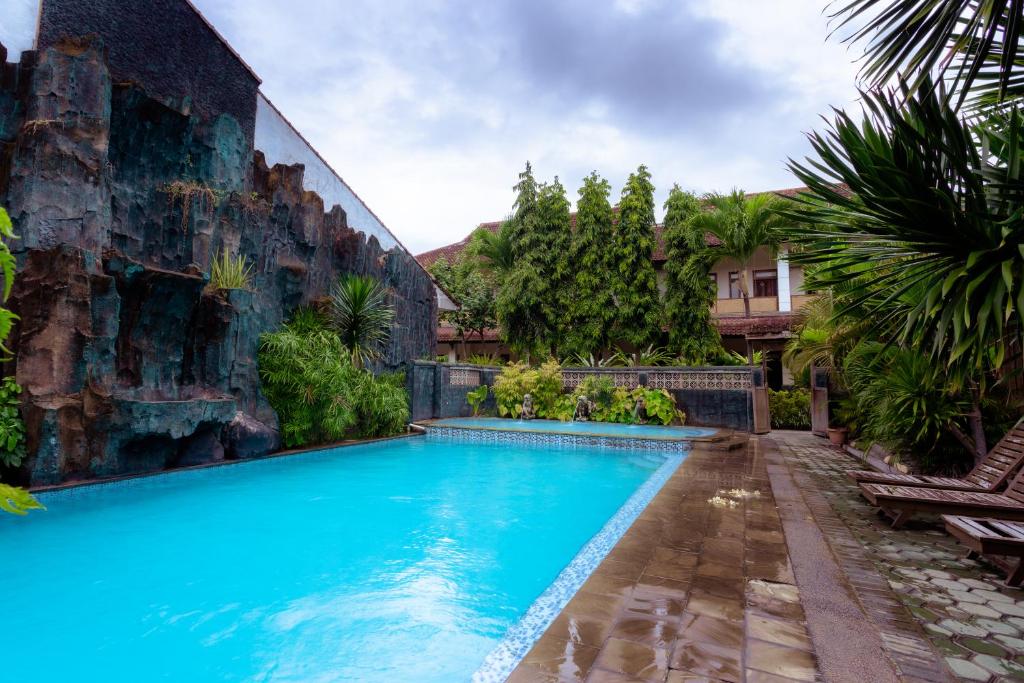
(790, 409)
(900, 399)
(319, 395)
(597, 388)
(611, 403)
(230, 272)
(544, 383)
(382, 406)
(12, 428)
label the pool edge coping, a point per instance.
(502, 660)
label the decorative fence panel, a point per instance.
(710, 396)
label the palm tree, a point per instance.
(742, 224)
(362, 317)
(973, 45)
(493, 250)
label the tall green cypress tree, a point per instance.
(638, 315)
(592, 304)
(520, 303)
(689, 292)
(552, 261)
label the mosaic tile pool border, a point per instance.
(465, 434)
(498, 665)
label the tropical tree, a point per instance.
(493, 251)
(520, 302)
(474, 294)
(743, 225)
(689, 291)
(362, 316)
(593, 300)
(638, 315)
(551, 260)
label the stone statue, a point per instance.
(584, 407)
(640, 411)
(528, 411)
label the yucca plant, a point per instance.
(362, 317)
(230, 272)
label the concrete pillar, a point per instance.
(782, 269)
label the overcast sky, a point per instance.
(429, 109)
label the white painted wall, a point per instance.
(282, 144)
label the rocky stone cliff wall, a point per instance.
(128, 361)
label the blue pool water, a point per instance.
(589, 428)
(406, 560)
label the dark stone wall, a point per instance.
(129, 362)
(731, 409)
(164, 46)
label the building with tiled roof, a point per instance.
(776, 292)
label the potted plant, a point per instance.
(837, 435)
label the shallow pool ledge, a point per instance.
(606, 430)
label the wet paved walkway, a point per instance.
(764, 565)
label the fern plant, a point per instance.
(230, 272)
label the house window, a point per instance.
(766, 282)
(734, 285)
(714, 282)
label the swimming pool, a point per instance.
(584, 428)
(416, 559)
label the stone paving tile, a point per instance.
(967, 613)
(694, 591)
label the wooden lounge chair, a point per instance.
(995, 538)
(901, 502)
(989, 475)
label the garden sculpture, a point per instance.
(528, 411)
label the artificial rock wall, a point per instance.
(128, 362)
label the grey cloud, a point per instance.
(659, 65)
